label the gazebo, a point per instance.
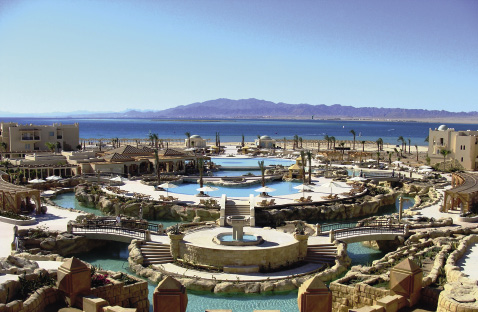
(464, 193)
(17, 198)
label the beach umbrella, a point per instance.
(53, 178)
(397, 162)
(118, 179)
(36, 181)
(303, 188)
(207, 188)
(358, 179)
(331, 184)
(167, 186)
(371, 160)
(265, 189)
(424, 167)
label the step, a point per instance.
(155, 248)
(146, 263)
(154, 244)
(157, 258)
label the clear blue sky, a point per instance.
(99, 55)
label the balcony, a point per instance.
(31, 138)
(59, 137)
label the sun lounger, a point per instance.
(272, 202)
(309, 199)
(300, 200)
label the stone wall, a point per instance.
(35, 303)
(109, 205)
(460, 291)
(345, 297)
(267, 258)
(157, 273)
(341, 210)
(127, 296)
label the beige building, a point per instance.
(195, 141)
(463, 146)
(21, 139)
(265, 141)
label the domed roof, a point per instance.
(195, 136)
(442, 128)
(265, 137)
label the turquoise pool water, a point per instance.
(68, 200)
(114, 257)
(281, 188)
(236, 173)
(245, 238)
(250, 162)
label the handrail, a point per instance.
(347, 225)
(107, 229)
(392, 229)
(127, 224)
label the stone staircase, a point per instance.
(323, 254)
(237, 209)
(155, 253)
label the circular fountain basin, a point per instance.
(247, 240)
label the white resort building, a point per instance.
(265, 141)
(195, 141)
(462, 146)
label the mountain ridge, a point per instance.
(255, 108)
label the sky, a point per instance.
(114, 55)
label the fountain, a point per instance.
(238, 237)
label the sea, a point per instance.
(231, 130)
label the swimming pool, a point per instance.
(281, 188)
(250, 162)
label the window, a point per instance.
(51, 133)
(27, 146)
(462, 159)
(441, 141)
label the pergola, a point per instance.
(464, 193)
(17, 198)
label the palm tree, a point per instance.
(353, 133)
(158, 171)
(3, 146)
(378, 159)
(342, 144)
(416, 147)
(332, 138)
(188, 135)
(51, 146)
(201, 171)
(242, 142)
(390, 154)
(326, 137)
(300, 140)
(309, 158)
(363, 146)
(380, 144)
(302, 157)
(285, 143)
(427, 138)
(409, 145)
(318, 145)
(401, 139)
(263, 172)
(296, 142)
(445, 153)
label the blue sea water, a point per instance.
(231, 130)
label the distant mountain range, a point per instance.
(254, 108)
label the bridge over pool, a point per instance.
(352, 232)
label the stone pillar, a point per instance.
(318, 229)
(400, 211)
(69, 227)
(332, 236)
(170, 296)
(252, 211)
(406, 280)
(314, 296)
(74, 280)
(302, 238)
(148, 236)
(175, 240)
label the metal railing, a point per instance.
(108, 229)
(390, 229)
(325, 228)
(126, 226)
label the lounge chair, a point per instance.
(263, 203)
(272, 202)
(309, 199)
(171, 198)
(300, 200)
